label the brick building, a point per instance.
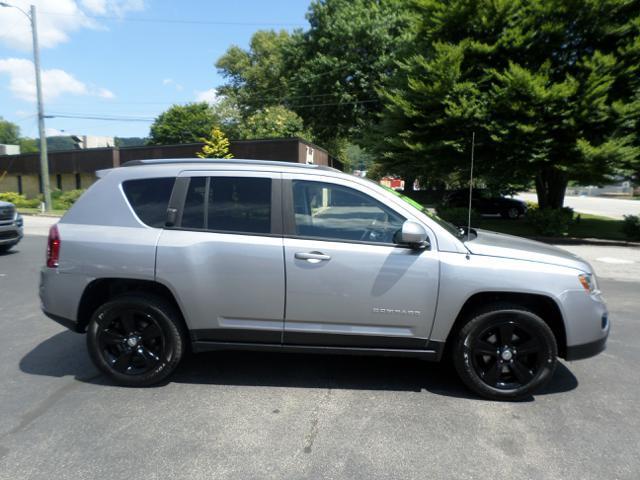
(73, 169)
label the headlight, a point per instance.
(588, 282)
(19, 221)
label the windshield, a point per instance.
(449, 227)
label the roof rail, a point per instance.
(223, 161)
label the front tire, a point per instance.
(136, 340)
(505, 352)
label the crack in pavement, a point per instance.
(315, 418)
(32, 415)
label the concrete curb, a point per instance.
(586, 241)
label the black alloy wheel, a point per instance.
(137, 340)
(131, 341)
(505, 352)
(506, 356)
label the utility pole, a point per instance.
(44, 161)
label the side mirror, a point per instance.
(413, 234)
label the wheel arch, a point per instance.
(543, 306)
(102, 290)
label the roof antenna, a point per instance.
(473, 144)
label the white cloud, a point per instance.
(55, 82)
(53, 132)
(210, 96)
(52, 29)
(57, 19)
(116, 7)
(104, 93)
(171, 81)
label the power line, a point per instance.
(101, 117)
(176, 20)
(116, 118)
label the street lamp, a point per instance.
(44, 163)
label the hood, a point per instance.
(494, 244)
(5, 204)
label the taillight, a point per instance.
(53, 247)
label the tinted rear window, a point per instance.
(149, 198)
(228, 204)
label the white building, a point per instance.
(93, 141)
(9, 149)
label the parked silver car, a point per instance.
(10, 226)
(160, 256)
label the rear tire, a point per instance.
(137, 340)
(505, 352)
(512, 213)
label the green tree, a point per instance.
(349, 51)
(328, 75)
(549, 86)
(29, 145)
(273, 122)
(183, 124)
(259, 77)
(9, 132)
(215, 146)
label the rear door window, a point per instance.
(149, 198)
(228, 204)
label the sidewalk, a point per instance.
(37, 225)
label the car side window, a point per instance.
(228, 204)
(149, 198)
(333, 212)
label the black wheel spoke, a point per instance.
(528, 347)
(151, 331)
(148, 356)
(522, 373)
(111, 338)
(122, 363)
(486, 348)
(128, 322)
(506, 333)
(492, 374)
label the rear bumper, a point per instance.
(578, 352)
(65, 322)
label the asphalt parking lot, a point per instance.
(242, 416)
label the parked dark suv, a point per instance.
(485, 203)
(10, 226)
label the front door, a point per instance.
(348, 284)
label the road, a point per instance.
(607, 207)
(258, 415)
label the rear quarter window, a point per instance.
(149, 198)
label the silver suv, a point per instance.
(162, 256)
(10, 226)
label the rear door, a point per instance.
(348, 283)
(223, 258)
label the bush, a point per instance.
(19, 200)
(64, 200)
(459, 216)
(631, 227)
(550, 222)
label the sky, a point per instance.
(124, 58)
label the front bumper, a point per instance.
(10, 234)
(578, 352)
(587, 324)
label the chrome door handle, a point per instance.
(312, 257)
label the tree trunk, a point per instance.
(551, 185)
(409, 180)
